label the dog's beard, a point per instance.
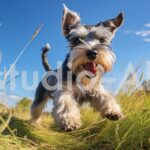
(79, 62)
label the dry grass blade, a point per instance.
(5, 123)
(138, 66)
(91, 126)
(141, 76)
(37, 31)
(28, 141)
(23, 50)
(124, 137)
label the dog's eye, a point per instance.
(102, 40)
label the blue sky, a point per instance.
(20, 18)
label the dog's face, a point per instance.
(90, 45)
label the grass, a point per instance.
(130, 133)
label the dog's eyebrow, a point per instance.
(102, 31)
(81, 31)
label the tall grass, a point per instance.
(130, 133)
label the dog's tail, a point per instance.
(45, 63)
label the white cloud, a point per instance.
(143, 33)
(32, 98)
(147, 25)
(146, 39)
(15, 97)
(11, 99)
(11, 96)
(0, 24)
(128, 31)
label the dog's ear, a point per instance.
(70, 19)
(114, 23)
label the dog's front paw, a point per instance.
(114, 115)
(70, 124)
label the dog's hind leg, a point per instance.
(39, 103)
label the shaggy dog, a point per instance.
(79, 78)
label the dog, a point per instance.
(80, 75)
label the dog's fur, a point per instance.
(82, 39)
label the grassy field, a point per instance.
(130, 133)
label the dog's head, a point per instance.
(90, 45)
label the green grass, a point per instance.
(130, 133)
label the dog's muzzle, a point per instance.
(91, 54)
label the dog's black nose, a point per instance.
(91, 54)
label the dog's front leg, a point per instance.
(107, 105)
(66, 112)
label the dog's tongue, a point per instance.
(91, 67)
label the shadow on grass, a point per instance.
(20, 128)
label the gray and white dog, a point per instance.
(79, 78)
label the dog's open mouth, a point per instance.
(91, 66)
